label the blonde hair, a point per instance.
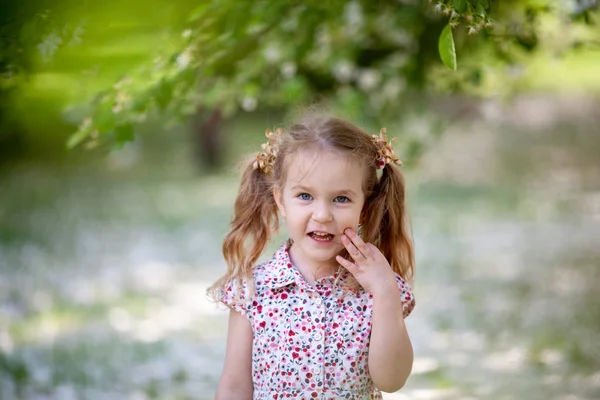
(255, 218)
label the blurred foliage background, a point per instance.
(122, 124)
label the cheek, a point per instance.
(352, 219)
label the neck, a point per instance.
(310, 271)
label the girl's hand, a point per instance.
(370, 268)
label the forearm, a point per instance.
(390, 350)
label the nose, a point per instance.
(322, 212)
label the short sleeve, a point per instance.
(406, 295)
(236, 295)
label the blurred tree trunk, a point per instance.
(207, 132)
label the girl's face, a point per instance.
(321, 197)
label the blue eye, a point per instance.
(304, 196)
(342, 199)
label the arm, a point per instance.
(236, 379)
(390, 351)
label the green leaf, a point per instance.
(460, 5)
(124, 133)
(480, 10)
(484, 3)
(198, 12)
(251, 89)
(163, 94)
(105, 119)
(77, 138)
(447, 49)
(140, 103)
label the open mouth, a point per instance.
(321, 236)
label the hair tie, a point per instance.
(385, 150)
(266, 159)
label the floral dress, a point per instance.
(310, 341)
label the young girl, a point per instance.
(324, 318)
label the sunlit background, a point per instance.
(122, 125)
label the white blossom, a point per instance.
(248, 103)
(343, 71)
(49, 45)
(353, 14)
(272, 53)
(288, 69)
(183, 59)
(368, 79)
(76, 38)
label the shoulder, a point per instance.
(242, 294)
(236, 294)
(262, 271)
(274, 273)
(406, 295)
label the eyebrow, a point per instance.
(343, 191)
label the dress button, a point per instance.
(318, 336)
(316, 370)
(319, 301)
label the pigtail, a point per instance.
(254, 221)
(385, 222)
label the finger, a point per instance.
(352, 249)
(350, 266)
(358, 242)
(373, 249)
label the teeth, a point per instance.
(322, 236)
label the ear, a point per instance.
(278, 194)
